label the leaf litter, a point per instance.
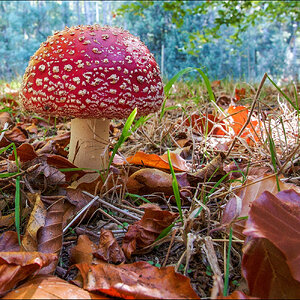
(226, 176)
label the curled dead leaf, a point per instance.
(17, 266)
(138, 280)
(144, 232)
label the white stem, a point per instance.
(89, 143)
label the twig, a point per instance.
(80, 213)
(113, 207)
(250, 113)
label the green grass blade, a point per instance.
(124, 135)
(18, 208)
(175, 186)
(226, 281)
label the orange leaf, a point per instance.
(16, 266)
(155, 161)
(50, 287)
(144, 232)
(239, 116)
(240, 94)
(138, 280)
(209, 124)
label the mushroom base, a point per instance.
(89, 145)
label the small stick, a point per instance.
(170, 246)
(250, 113)
(80, 213)
(113, 207)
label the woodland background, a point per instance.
(238, 40)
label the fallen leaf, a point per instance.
(60, 162)
(265, 268)
(83, 251)
(277, 218)
(50, 287)
(144, 232)
(79, 200)
(109, 249)
(239, 205)
(237, 119)
(148, 181)
(35, 222)
(25, 152)
(9, 242)
(153, 160)
(50, 235)
(5, 118)
(224, 101)
(207, 124)
(16, 135)
(239, 94)
(32, 128)
(17, 266)
(7, 220)
(138, 280)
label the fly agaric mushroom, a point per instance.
(93, 74)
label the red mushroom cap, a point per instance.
(92, 72)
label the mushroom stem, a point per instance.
(89, 144)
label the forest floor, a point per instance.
(218, 216)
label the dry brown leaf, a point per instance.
(5, 118)
(266, 271)
(16, 266)
(50, 287)
(138, 280)
(83, 251)
(109, 249)
(9, 242)
(16, 135)
(25, 153)
(50, 236)
(148, 181)
(144, 232)
(60, 162)
(35, 222)
(153, 160)
(7, 220)
(239, 205)
(32, 128)
(79, 200)
(277, 218)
